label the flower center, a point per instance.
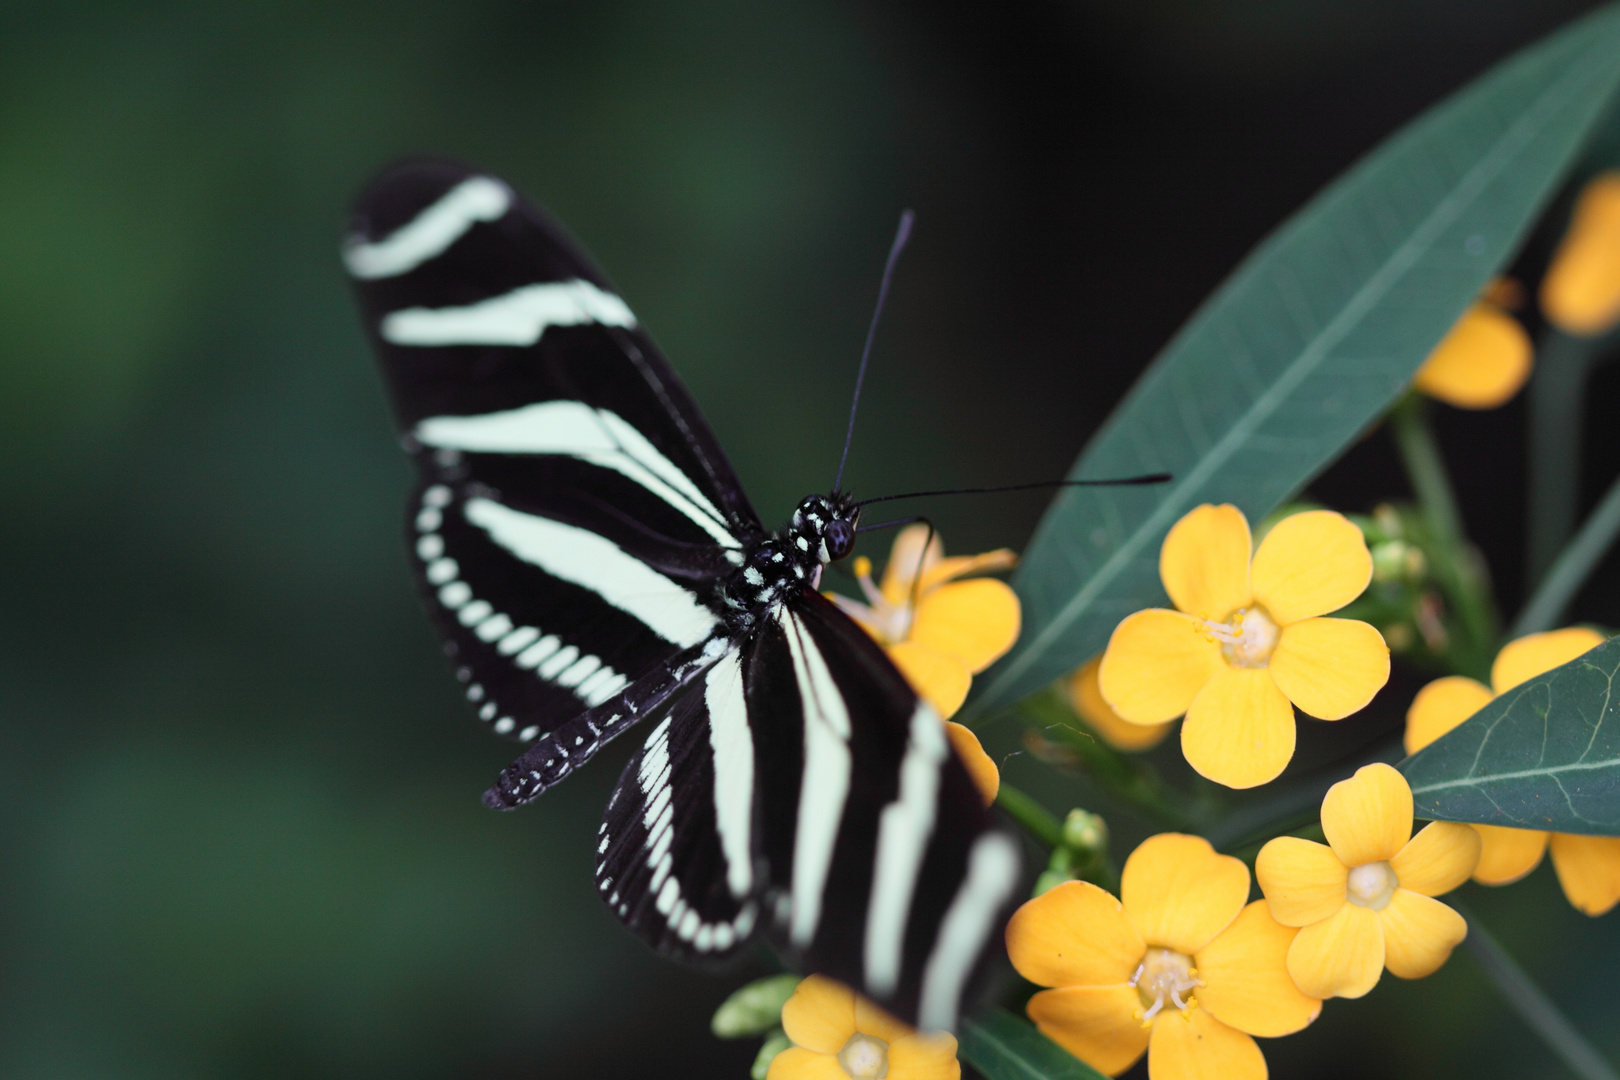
(1371, 885)
(865, 1057)
(1164, 977)
(1247, 637)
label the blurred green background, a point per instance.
(241, 834)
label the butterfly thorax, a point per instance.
(822, 530)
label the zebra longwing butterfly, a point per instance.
(591, 561)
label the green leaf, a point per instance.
(1003, 1047)
(1312, 339)
(1544, 755)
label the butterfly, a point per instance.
(591, 562)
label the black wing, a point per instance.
(806, 777)
(574, 512)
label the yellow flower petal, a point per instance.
(986, 777)
(1481, 363)
(1245, 977)
(1506, 855)
(923, 1057)
(1310, 564)
(1157, 662)
(939, 678)
(797, 1063)
(820, 1015)
(1086, 697)
(1195, 1046)
(1180, 893)
(1589, 870)
(1438, 859)
(1581, 292)
(872, 1019)
(1240, 728)
(955, 566)
(1419, 933)
(1094, 1023)
(1441, 706)
(1341, 956)
(907, 559)
(1074, 935)
(1368, 818)
(1330, 668)
(975, 621)
(1204, 562)
(1537, 654)
(1303, 881)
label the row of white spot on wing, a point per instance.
(658, 818)
(544, 654)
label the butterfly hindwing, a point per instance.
(581, 511)
(895, 873)
(676, 853)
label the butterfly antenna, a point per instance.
(901, 235)
(1124, 481)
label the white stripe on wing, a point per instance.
(904, 827)
(825, 784)
(578, 430)
(596, 563)
(520, 317)
(430, 233)
(992, 874)
(732, 742)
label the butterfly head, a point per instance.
(827, 524)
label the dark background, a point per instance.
(240, 834)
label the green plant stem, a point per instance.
(1426, 469)
(1132, 782)
(1532, 1004)
(1038, 821)
(1556, 390)
(1567, 574)
(1457, 569)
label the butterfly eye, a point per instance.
(840, 538)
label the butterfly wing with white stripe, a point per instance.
(574, 511)
(675, 857)
(808, 774)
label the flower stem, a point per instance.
(1132, 782)
(1556, 390)
(1036, 819)
(1458, 570)
(1532, 1004)
(1425, 468)
(1574, 564)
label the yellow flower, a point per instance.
(1588, 867)
(1365, 900)
(837, 1034)
(1248, 640)
(1086, 697)
(1581, 292)
(1481, 363)
(1179, 967)
(939, 631)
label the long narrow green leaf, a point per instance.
(1544, 755)
(1003, 1047)
(1310, 340)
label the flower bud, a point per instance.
(754, 1009)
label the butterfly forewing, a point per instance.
(574, 512)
